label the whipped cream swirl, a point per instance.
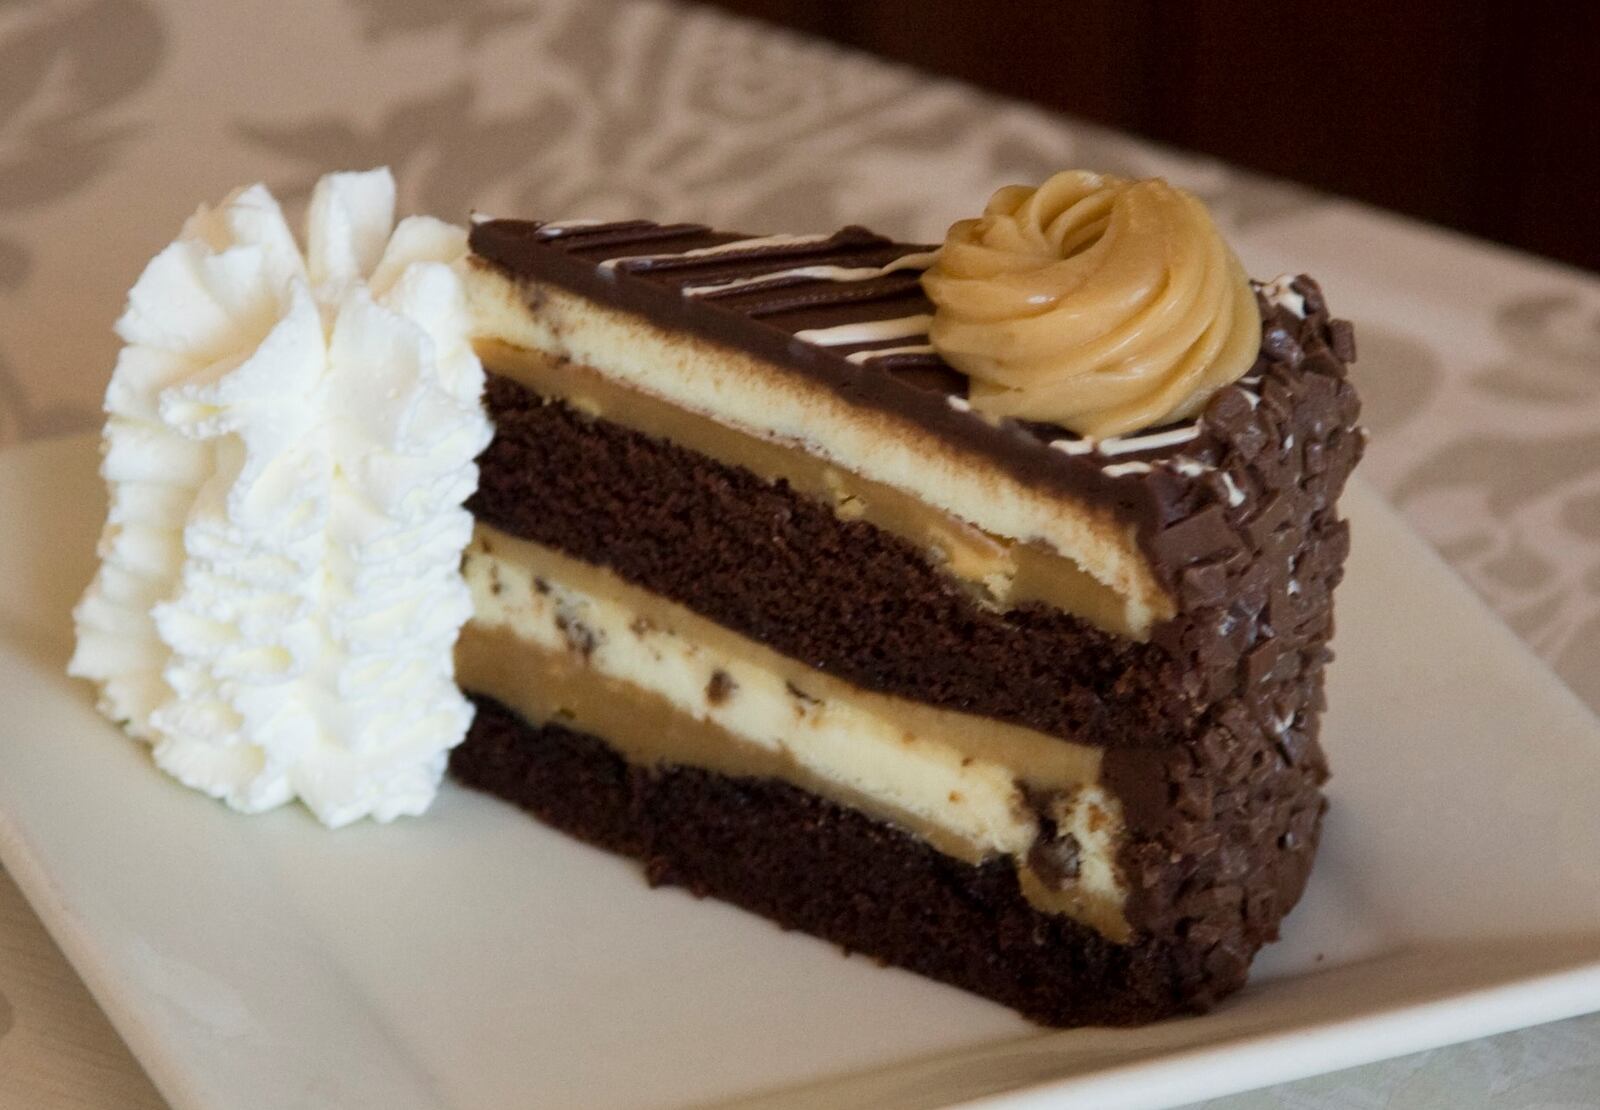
(1097, 303)
(289, 441)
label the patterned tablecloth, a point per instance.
(1479, 367)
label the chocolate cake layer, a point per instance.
(810, 864)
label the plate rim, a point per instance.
(1269, 1057)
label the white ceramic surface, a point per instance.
(474, 959)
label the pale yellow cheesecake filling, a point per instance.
(559, 640)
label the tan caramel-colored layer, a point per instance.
(1000, 572)
(738, 391)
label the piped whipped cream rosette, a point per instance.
(290, 437)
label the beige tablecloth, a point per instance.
(1479, 367)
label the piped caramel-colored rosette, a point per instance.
(1094, 302)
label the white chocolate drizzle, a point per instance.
(555, 229)
(1235, 494)
(1120, 470)
(1073, 446)
(1280, 292)
(1127, 445)
(861, 357)
(867, 331)
(919, 260)
(761, 242)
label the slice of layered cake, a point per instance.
(966, 606)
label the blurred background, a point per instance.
(1480, 115)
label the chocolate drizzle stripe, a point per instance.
(716, 252)
(872, 354)
(917, 260)
(866, 331)
(1171, 437)
(813, 297)
(603, 238)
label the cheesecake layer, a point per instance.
(560, 641)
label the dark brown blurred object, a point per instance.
(1479, 115)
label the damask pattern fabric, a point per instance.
(1480, 368)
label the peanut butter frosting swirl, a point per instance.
(1098, 303)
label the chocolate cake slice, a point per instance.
(773, 597)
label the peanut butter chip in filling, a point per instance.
(1094, 302)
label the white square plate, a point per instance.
(473, 958)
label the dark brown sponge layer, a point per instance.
(809, 864)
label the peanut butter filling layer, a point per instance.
(562, 641)
(1012, 540)
(999, 572)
